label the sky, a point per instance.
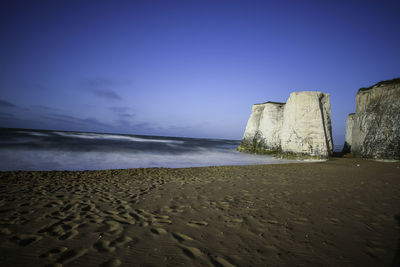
(186, 68)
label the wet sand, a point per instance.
(336, 213)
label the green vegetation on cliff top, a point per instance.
(272, 102)
(388, 82)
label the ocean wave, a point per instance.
(35, 160)
(33, 133)
(115, 137)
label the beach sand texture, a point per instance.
(336, 213)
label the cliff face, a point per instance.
(251, 134)
(263, 128)
(307, 124)
(349, 129)
(271, 125)
(302, 126)
(376, 130)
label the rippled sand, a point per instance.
(336, 213)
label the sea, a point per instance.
(44, 150)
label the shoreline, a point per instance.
(336, 212)
(280, 161)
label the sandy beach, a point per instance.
(336, 213)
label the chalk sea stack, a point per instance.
(263, 130)
(301, 127)
(349, 128)
(375, 133)
(306, 125)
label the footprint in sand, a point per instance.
(301, 220)
(25, 239)
(53, 252)
(111, 227)
(219, 261)
(375, 249)
(158, 231)
(112, 263)
(181, 237)
(224, 204)
(69, 235)
(140, 214)
(233, 222)
(332, 220)
(145, 218)
(121, 241)
(191, 252)
(156, 221)
(123, 218)
(5, 231)
(270, 221)
(174, 209)
(237, 220)
(103, 246)
(71, 255)
(54, 204)
(197, 223)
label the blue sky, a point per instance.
(186, 68)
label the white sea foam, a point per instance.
(38, 134)
(71, 160)
(115, 137)
(33, 133)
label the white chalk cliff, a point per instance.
(270, 126)
(302, 126)
(263, 128)
(349, 128)
(251, 132)
(375, 132)
(307, 124)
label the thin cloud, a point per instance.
(74, 120)
(6, 115)
(126, 115)
(106, 93)
(104, 88)
(142, 125)
(7, 104)
(16, 122)
(134, 127)
(41, 107)
(122, 113)
(46, 109)
(101, 82)
(120, 109)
